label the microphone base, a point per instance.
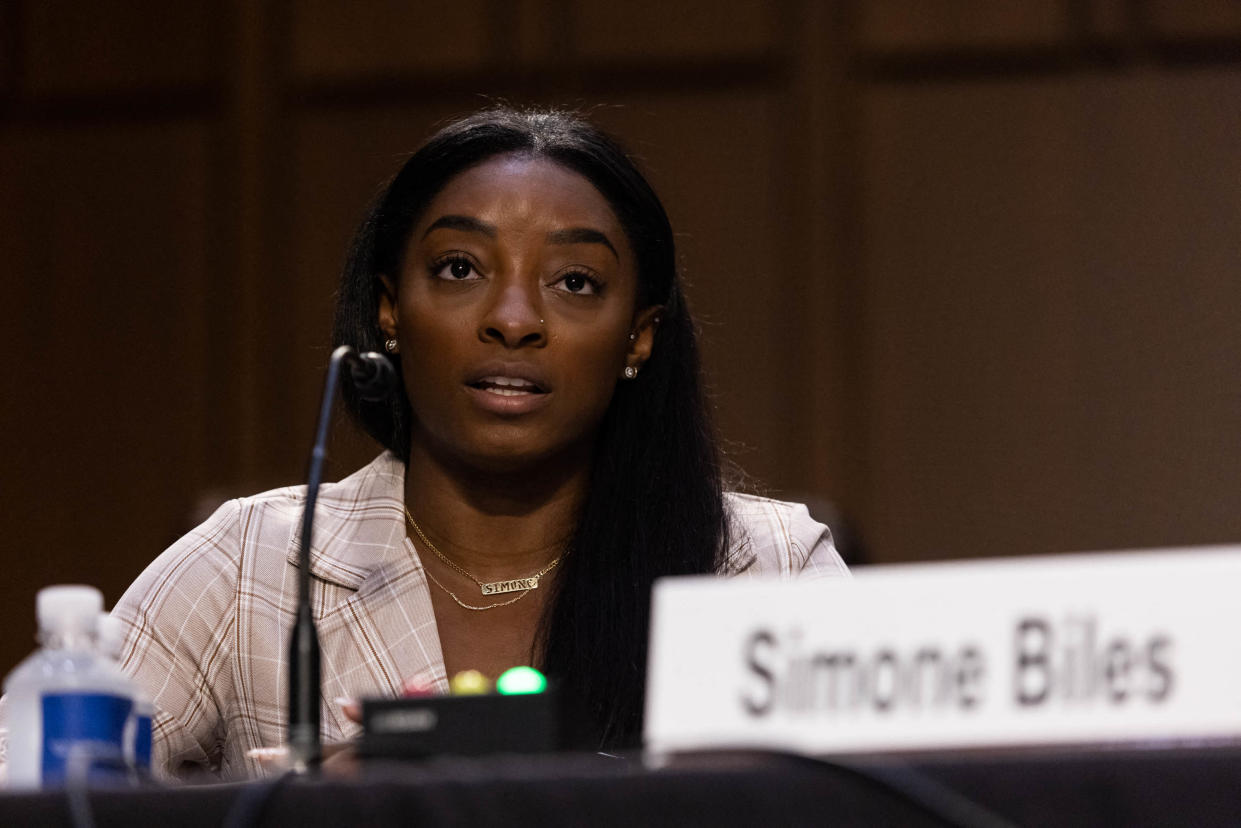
(420, 728)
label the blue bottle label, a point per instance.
(142, 743)
(84, 733)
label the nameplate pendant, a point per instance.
(516, 585)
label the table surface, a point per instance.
(1101, 788)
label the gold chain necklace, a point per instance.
(522, 585)
(463, 604)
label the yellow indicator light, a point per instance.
(469, 683)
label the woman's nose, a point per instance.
(514, 319)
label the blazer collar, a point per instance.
(359, 523)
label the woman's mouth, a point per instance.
(507, 386)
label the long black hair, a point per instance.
(655, 505)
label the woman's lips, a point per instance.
(507, 396)
(507, 386)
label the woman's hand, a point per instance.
(351, 707)
(412, 688)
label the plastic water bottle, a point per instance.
(68, 707)
(138, 731)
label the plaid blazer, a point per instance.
(208, 621)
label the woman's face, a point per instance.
(513, 311)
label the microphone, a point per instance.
(372, 376)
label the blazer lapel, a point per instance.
(373, 608)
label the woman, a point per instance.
(549, 425)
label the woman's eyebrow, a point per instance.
(581, 235)
(467, 223)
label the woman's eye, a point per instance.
(455, 269)
(578, 283)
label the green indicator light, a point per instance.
(520, 681)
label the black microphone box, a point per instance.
(422, 727)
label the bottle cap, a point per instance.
(68, 608)
(111, 634)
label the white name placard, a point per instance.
(1083, 649)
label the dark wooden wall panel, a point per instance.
(890, 25)
(655, 28)
(335, 39)
(1194, 18)
(9, 43)
(105, 411)
(115, 45)
(1052, 314)
(537, 30)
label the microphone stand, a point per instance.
(304, 744)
